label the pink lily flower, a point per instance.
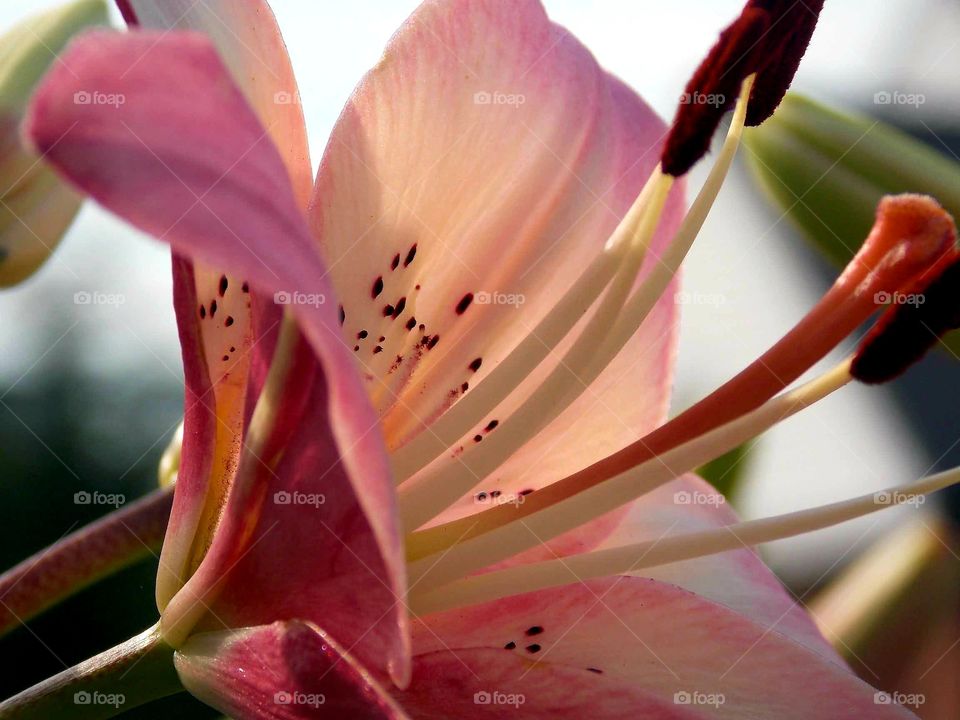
(425, 471)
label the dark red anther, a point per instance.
(126, 10)
(769, 39)
(913, 324)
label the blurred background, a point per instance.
(90, 393)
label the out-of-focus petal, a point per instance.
(246, 35)
(190, 163)
(282, 671)
(625, 641)
(464, 168)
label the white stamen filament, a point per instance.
(446, 565)
(470, 410)
(529, 353)
(655, 284)
(429, 495)
(671, 549)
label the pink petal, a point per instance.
(631, 397)
(246, 35)
(184, 158)
(283, 671)
(199, 441)
(296, 544)
(497, 198)
(739, 580)
(249, 42)
(622, 641)
(220, 342)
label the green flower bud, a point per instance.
(36, 208)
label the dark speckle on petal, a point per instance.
(464, 303)
(411, 254)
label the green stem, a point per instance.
(130, 674)
(112, 543)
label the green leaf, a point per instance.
(827, 171)
(726, 472)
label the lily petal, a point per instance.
(739, 580)
(626, 640)
(250, 44)
(284, 671)
(465, 184)
(204, 177)
(300, 528)
(246, 34)
(631, 396)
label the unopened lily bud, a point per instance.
(36, 207)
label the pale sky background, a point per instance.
(853, 443)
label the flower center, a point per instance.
(910, 247)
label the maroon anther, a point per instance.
(914, 323)
(769, 39)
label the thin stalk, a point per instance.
(112, 543)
